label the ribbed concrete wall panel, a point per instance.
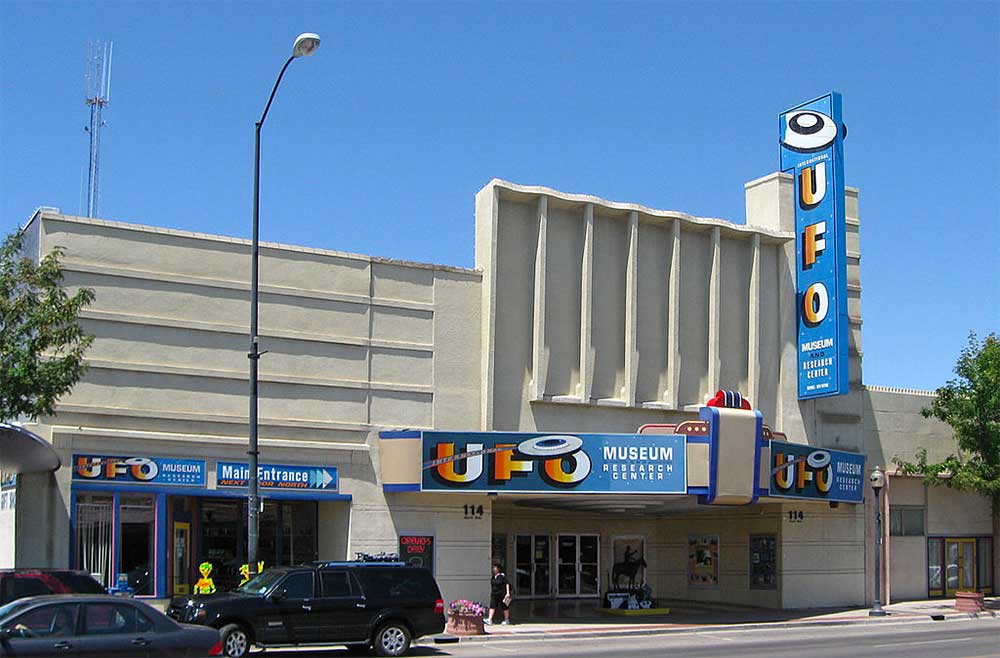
(653, 312)
(563, 280)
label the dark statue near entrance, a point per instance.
(628, 567)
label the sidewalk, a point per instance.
(540, 620)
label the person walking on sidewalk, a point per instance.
(500, 596)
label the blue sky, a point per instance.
(379, 142)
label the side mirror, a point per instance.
(279, 595)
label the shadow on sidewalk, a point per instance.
(687, 613)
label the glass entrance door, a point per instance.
(960, 558)
(577, 569)
(531, 562)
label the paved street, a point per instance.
(949, 639)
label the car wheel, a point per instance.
(235, 640)
(392, 639)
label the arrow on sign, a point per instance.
(320, 478)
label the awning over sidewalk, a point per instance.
(22, 451)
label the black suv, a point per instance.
(384, 605)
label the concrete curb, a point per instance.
(587, 633)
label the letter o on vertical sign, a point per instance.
(815, 304)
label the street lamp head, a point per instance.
(305, 44)
(877, 479)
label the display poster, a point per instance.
(139, 470)
(811, 138)
(703, 560)
(278, 476)
(514, 462)
(417, 551)
(628, 568)
(801, 471)
(763, 562)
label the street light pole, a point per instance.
(878, 481)
(305, 44)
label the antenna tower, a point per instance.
(98, 96)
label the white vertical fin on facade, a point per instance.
(714, 314)
(539, 358)
(486, 258)
(631, 311)
(673, 322)
(586, 307)
(753, 339)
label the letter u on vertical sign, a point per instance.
(811, 146)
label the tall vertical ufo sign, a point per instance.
(812, 149)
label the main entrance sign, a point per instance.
(812, 150)
(515, 462)
(278, 476)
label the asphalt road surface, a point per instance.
(943, 639)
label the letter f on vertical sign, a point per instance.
(812, 185)
(813, 243)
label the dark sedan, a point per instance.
(75, 625)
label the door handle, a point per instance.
(62, 646)
(141, 641)
(359, 605)
(307, 608)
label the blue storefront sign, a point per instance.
(278, 476)
(811, 149)
(514, 462)
(139, 470)
(801, 471)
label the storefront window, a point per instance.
(906, 521)
(222, 525)
(298, 533)
(935, 585)
(985, 556)
(138, 522)
(287, 535)
(93, 542)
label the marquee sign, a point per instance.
(514, 462)
(811, 149)
(278, 476)
(139, 470)
(805, 472)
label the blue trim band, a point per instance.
(711, 415)
(116, 538)
(758, 431)
(211, 493)
(400, 434)
(161, 547)
(392, 488)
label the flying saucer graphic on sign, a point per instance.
(515, 462)
(808, 131)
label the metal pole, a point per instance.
(877, 610)
(253, 497)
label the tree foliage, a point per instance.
(971, 405)
(41, 340)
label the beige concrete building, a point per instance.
(581, 316)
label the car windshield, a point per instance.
(259, 585)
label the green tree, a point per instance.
(41, 341)
(971, 405)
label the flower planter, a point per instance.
(969, 601)
(465, 624)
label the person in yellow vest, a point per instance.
(245, 572)
(205, 584)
